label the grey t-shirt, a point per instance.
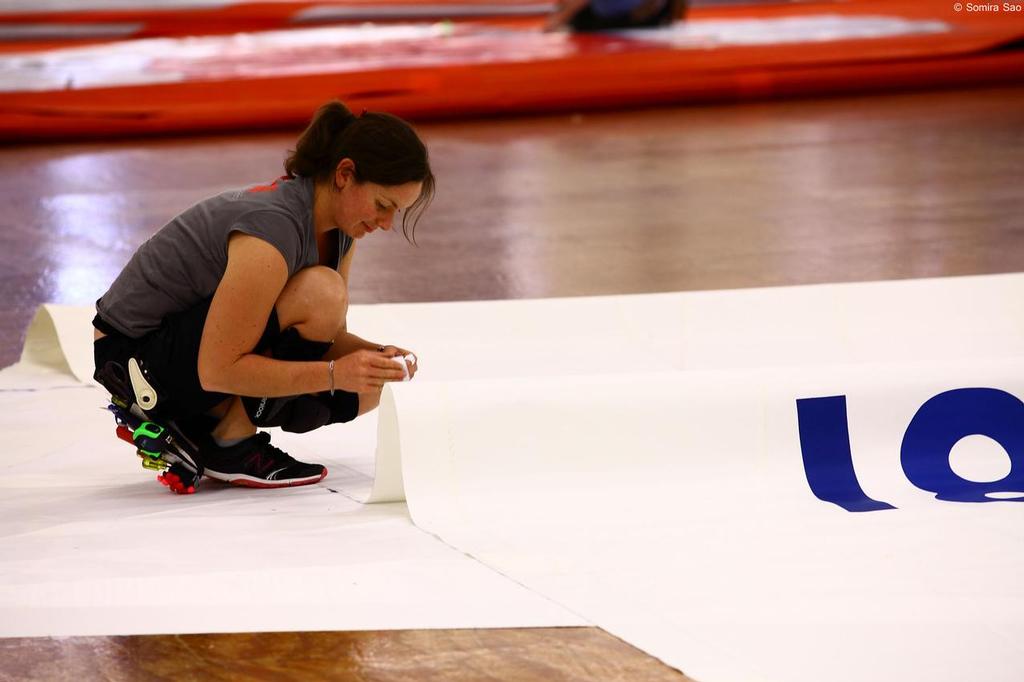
(183, 263)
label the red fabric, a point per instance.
(160, 20)
(526, 71)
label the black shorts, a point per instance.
(170, 355)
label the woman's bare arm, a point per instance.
(255, 276)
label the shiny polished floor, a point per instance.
(523, 655)
(794, 192)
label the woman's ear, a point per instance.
(344, 173)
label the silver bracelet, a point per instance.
(330, 375)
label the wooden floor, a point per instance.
(520, 655)
(915, 185)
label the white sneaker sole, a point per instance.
(247, 481)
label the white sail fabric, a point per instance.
(640, 462)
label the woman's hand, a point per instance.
(410, 358)
(364, 371)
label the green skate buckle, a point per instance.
(148, 438)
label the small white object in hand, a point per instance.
(400, 359)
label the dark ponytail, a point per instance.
(385, 150)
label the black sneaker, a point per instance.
(255, 463)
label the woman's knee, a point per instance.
(368, 401)
(315, 302)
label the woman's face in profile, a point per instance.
(360, 208)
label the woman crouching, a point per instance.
(232, 316)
